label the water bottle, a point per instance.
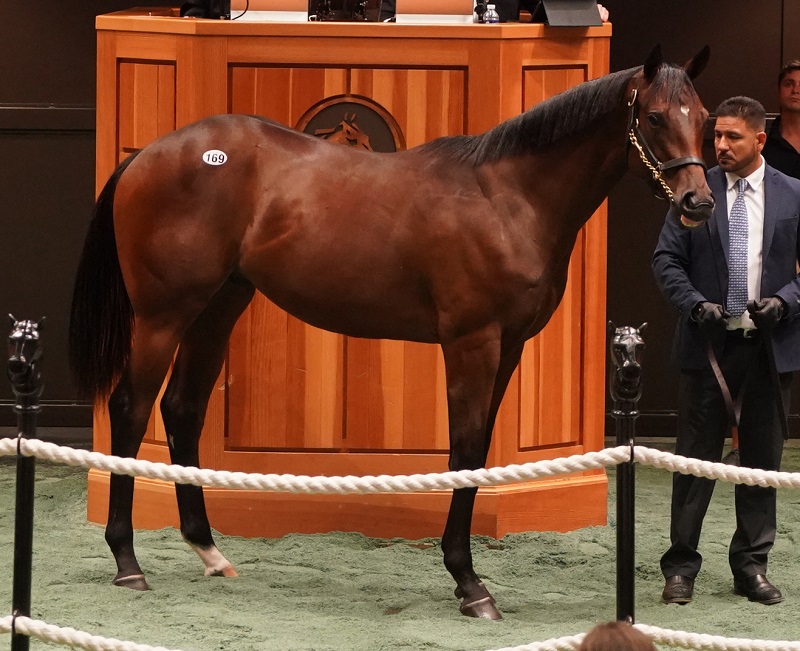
(491, 15)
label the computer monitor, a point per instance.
(216, 9)
(567, 13)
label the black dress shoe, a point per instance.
(678, 590)
(757, 588)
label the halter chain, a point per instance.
(655, 171)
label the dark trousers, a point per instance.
(702, 429)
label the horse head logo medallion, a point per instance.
(347, 132)
(355, 121)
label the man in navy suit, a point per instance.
(738, 293)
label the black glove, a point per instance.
(766, 312)
(710, 315)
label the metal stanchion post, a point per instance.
(626, 346)
(626, 485)
(24, 352)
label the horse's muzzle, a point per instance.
(695, 210)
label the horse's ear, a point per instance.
(642, 327)
(40, 322)
(653, 63)
(695, 66)
(611, 328)
(12, 319)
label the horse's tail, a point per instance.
(101, 317)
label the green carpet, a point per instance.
(348, 592)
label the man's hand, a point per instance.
(710, 315)
(766, 312)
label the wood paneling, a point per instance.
(284, 383)
(146, 104)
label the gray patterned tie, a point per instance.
(737, 282)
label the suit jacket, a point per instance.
(691, 265)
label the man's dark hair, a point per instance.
(793, 65)
(747, 108)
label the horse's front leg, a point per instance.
(472, 365)
(183, 408)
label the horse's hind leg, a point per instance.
(476, 380)
(129, 410)
(183, 407)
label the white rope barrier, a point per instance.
(706, 642)
(676, 639)
(712, 470)
(319, 484)
(69, 636)
(667, 637)
(568, 643)
(401, 483)
(369, 484)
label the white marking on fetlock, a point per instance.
(216, 564)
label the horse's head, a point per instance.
(665, 128)
(23, 353)
(626, 349)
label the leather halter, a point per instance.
(656, 167)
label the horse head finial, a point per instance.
(24, 352)
(625, 374)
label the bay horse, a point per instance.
(464, 241)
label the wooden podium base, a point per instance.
(545, 505)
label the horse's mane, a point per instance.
(546, 123)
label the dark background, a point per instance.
(47, 141)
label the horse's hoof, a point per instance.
(479, 607)
(133, 582)
(216, 564)
(484, 608)
(223, 571)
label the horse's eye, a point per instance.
(654, 119)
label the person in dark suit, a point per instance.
(781, 151)
(735, 284)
